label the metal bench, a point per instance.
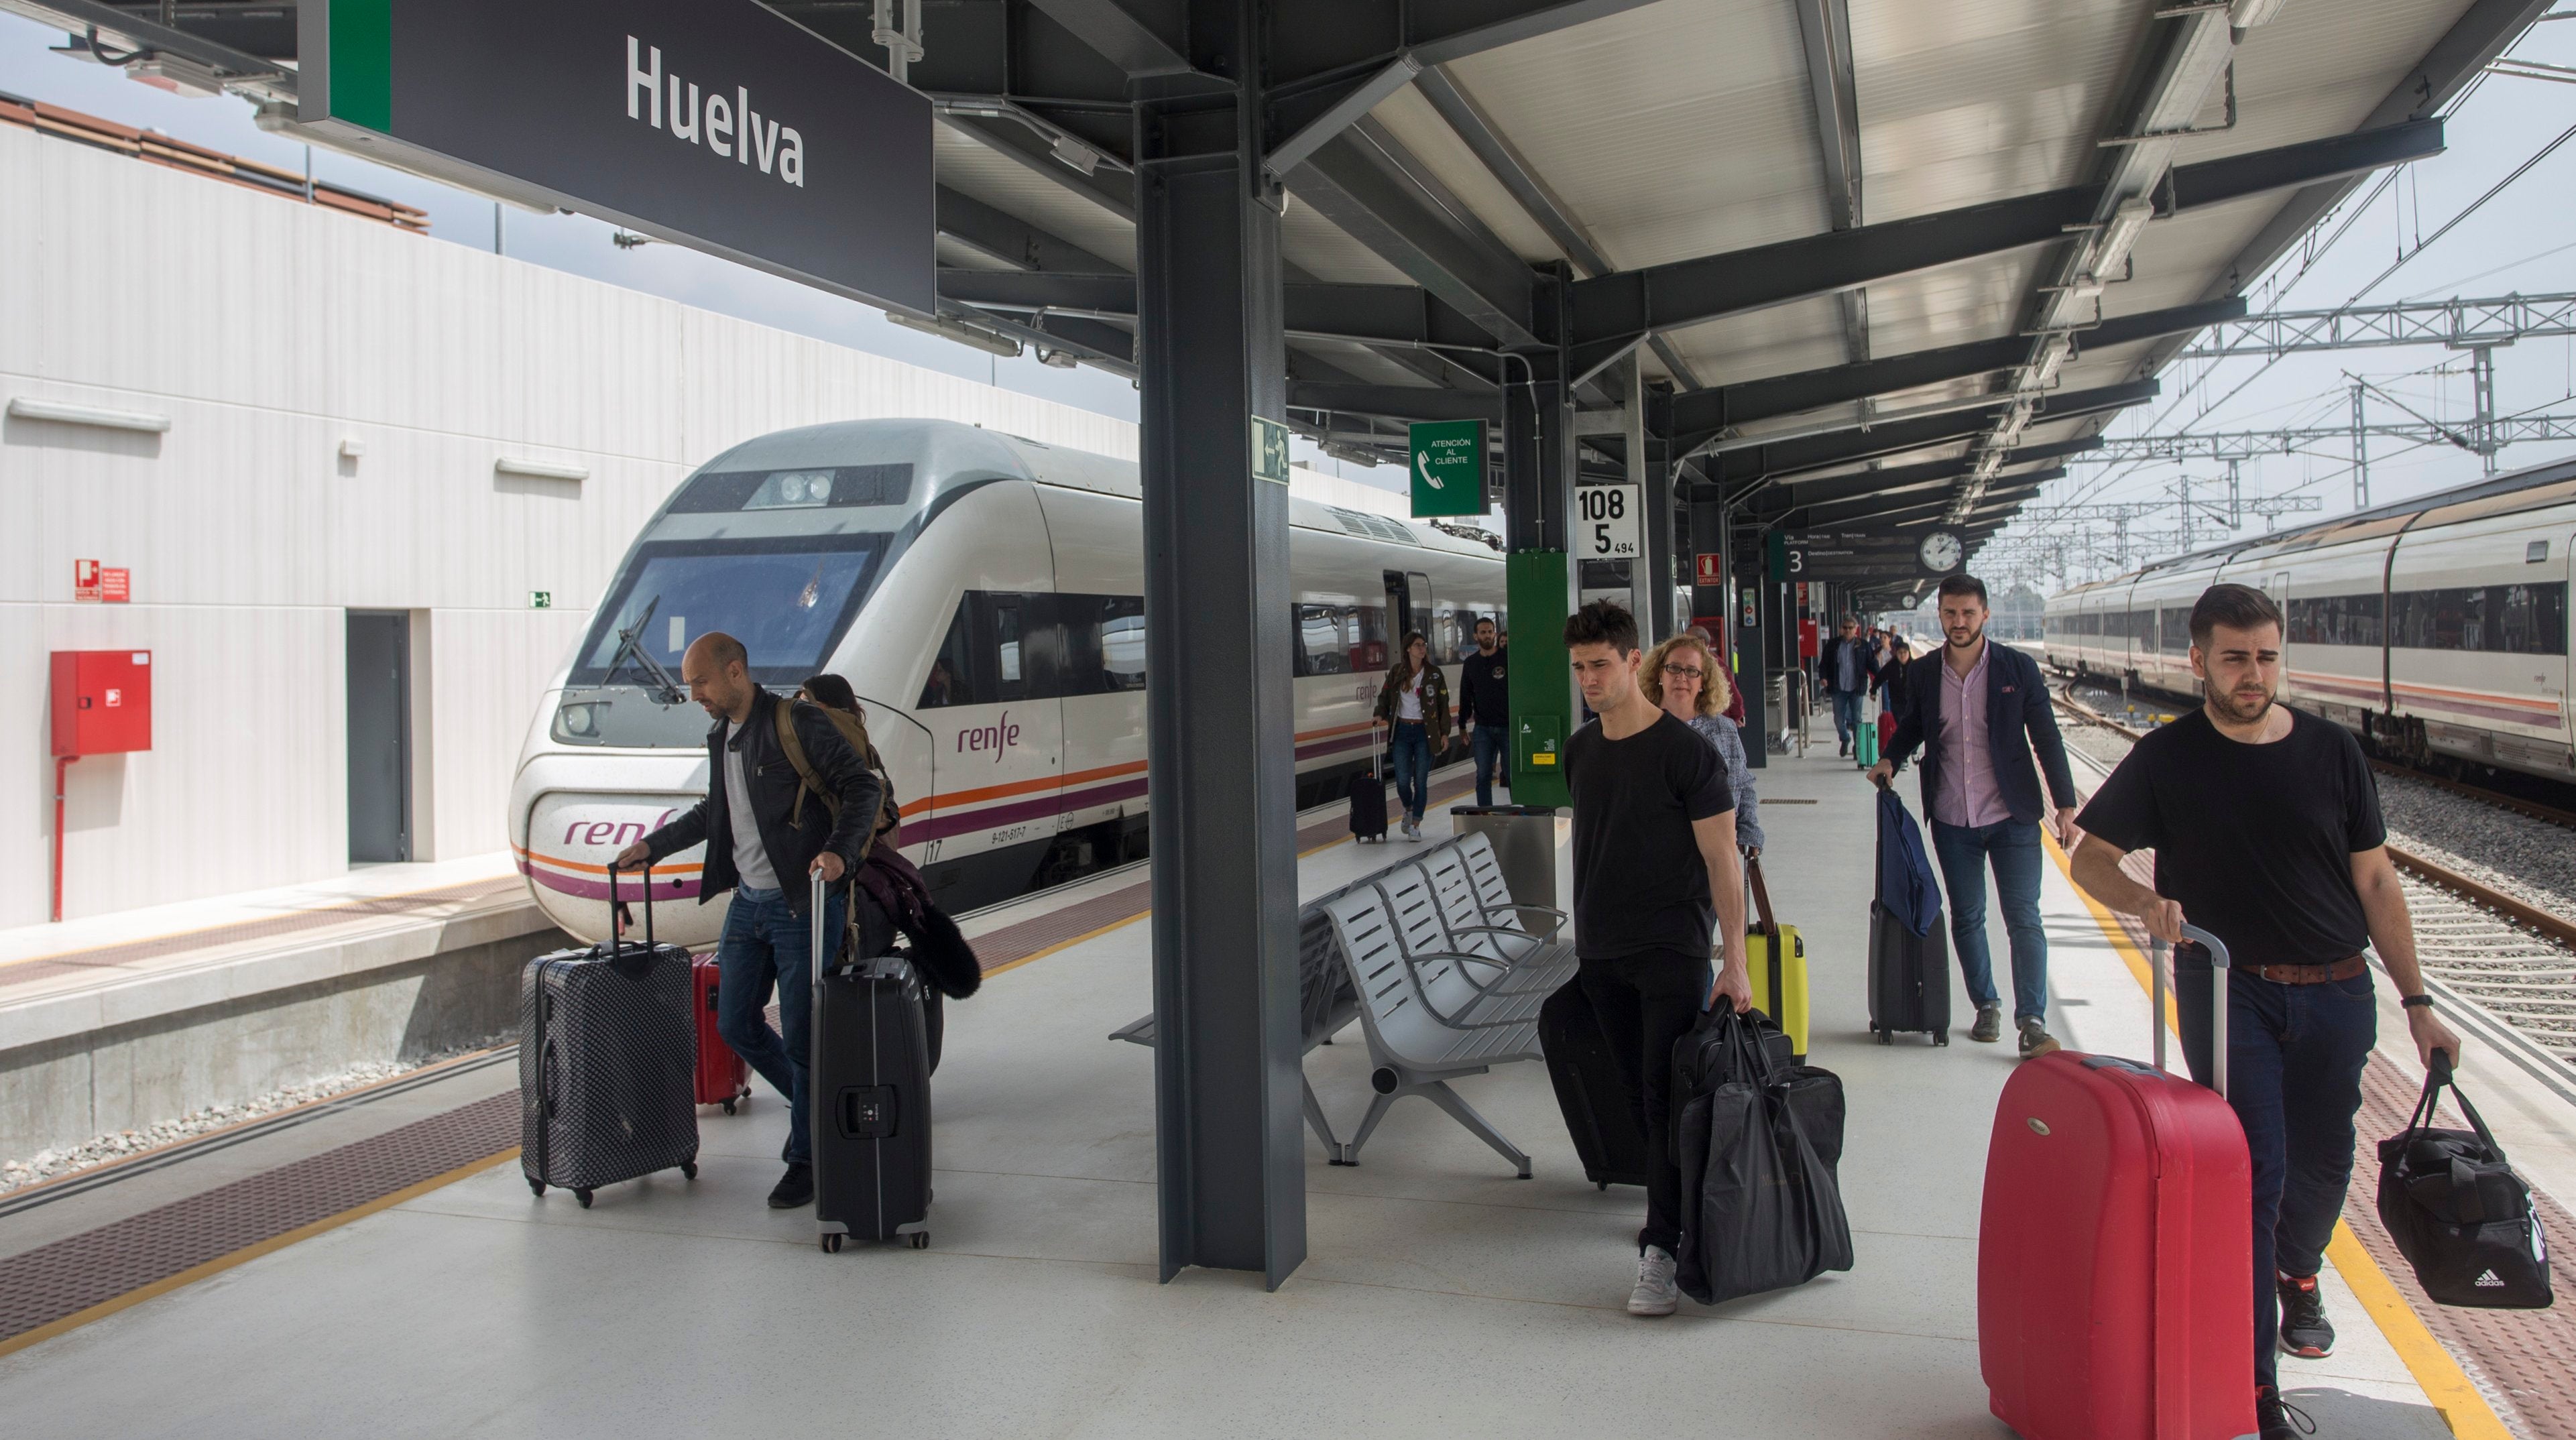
(1416, 1051)
(1502, 955)
(1443, 968)
(1325, 1001)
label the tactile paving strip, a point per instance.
(107, 956)
(2523, 1361)
(54, 1282)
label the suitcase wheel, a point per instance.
(920, 1239)
(688, 1169)
(832, 1244)
(582, 1195)
(1940, 1037)
(728, 1107)
(1601, 1185)
(536, 1187)
(1885, 1037)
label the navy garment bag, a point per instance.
(1905, 883)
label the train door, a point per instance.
(995, 718)
(1408, 604)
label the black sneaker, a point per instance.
(794, 1188)
(2035, 1039)
(2278, 1419)
(2305, 1331)
(1990, 1025)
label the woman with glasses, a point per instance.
(1685, 678)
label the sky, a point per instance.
(2520, 241)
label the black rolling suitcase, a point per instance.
(870, 1087)
(608, 1056)
(1588, 1091)
(1368, 794)
(1909, 972)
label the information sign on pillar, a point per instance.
(1607, 521)
(1448, 468)
(719, 124)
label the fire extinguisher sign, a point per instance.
(84, 580)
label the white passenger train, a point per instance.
(982, 594)
(2436, 628)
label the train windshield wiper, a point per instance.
(660, 684)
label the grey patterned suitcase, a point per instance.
(607, 1063)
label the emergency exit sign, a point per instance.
(1448, 468)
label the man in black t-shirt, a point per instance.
(1485, 706)
(2266, 827)
(1654, 870)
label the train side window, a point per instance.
(1323, 640)
(952, 672)
(1009, 681)
(1370, 648)
(1122, 642)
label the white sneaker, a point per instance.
(1655, 1293)
(1412, 831)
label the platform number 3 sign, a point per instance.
(1606, 521)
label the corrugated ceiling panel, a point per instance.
(1779, 341)
(1981, 99)
(1411, 120)
(968, 166)
(1327, 252)
(1672, 130)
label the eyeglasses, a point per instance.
(1693, 671)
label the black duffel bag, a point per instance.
(1761, 1208)
(2457, 1211)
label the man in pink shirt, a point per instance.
(1979, 712)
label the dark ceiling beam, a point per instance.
(1013, 241)
(1333, 42)
(1843, 447)
(1357, 191)
(1889, 512)
(1824, 35)
(1709, 413)
(251, 36)
(1923, 481)
(1613, 310)
(1142, 47)
(1390, 315)
(1398, 402)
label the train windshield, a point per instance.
(787, 600)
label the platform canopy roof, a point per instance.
(1881, 261)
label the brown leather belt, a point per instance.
(2343, 969)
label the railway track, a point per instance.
(2515, 960)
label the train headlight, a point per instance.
(580, 720)
(792, 490)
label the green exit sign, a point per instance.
(1448, 468)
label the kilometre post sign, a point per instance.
(718, 124)
(1448, 468)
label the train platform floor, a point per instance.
(1440, 1295)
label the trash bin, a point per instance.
(1524, 841)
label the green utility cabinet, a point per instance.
(1541, 686)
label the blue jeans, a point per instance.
(1487, 738)
(1412, 767)
(2013, 846)
(766, 944)
(2294, 1060)
(1846, 713)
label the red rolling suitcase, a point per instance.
(723, 1077)
(2115, 1285)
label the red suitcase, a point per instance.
(723, 1078)
(2115, 1286)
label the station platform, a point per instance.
(422, 1290)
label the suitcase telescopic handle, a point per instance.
(2219, 965)
(616, 932)
(814, 944)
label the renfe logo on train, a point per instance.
(997, 737)
(730, 128)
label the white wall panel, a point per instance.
(269, 332)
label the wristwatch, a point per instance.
(2415, 1001)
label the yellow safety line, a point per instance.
(2438, 1375)
(220, 1263)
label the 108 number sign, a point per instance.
(1606, 521)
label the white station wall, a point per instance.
(268, 333)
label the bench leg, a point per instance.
(1323, 1128)
(1379, 1104)
(1465, 1114)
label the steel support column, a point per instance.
(1230, 1154)
(1661, 562)
(1641, 570)
(1525, 514)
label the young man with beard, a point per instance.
(2266, 827)
(1485, 706)
(1655, 880)
(1979, 712)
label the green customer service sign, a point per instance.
(1448, 468)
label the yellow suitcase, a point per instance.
(1777, 957)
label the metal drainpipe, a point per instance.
(62, 763)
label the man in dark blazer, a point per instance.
(1979, 711)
